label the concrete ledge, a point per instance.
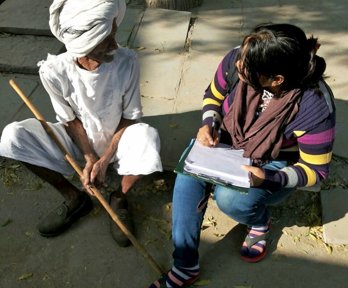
(20, 54)
(25, 17)
(335, 215)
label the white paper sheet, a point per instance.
(220, 163)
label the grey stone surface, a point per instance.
(25, 17)
(163, 30)
(340, 145)
(21, 53)
(159, 42)
(160, 74)
(335, 215)
(11, 103)
(210, 28)
(41, 101)
(198, 71)
(129, 26)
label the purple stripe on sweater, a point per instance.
(220, 77)
(323, 174)
(226, 107)
(322, 137)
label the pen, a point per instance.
(215, 127)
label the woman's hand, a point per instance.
(257, 175)
(205, 138)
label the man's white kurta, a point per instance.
(98, 98)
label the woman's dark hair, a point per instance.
(281, 49)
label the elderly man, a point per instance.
(94, 90)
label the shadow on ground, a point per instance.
(86, 256)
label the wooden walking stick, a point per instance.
(76, 167)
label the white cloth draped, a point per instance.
(82, 25)
(27, 141)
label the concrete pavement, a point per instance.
(178, 54)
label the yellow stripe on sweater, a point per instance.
(299, 133)
(311, 176)
(215, 92)
(320, 159)
(208, 101)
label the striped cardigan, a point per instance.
(308, 138)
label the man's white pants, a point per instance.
(27, 141)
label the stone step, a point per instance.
(335, 215)
(21, 53)
(25, 17)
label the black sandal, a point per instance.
(119, 205)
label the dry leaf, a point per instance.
(313, 236)
(203, 282)
(328, 248)
(8, 221)
(211, 221)
(28, 234)
(296, 239)
(34, 187)
(168, 207)
(14, 166)
(25, 276)
(219, 234)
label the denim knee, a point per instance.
(242, 207)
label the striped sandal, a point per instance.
(254, 247)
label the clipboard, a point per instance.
(182, 168)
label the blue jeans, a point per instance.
(190, 200)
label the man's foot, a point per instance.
(254, 246)
(119, 204)
(177, 277)
(62, 217)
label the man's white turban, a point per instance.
(82, 24)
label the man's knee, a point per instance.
(17, 130)
(11, 132)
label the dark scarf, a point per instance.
(261, 138)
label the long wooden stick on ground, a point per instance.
(76, 167)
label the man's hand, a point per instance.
(94, 173)
(205, 137)
(257, 175)
(86, 178)
(98, 172)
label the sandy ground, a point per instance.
(86, 256)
